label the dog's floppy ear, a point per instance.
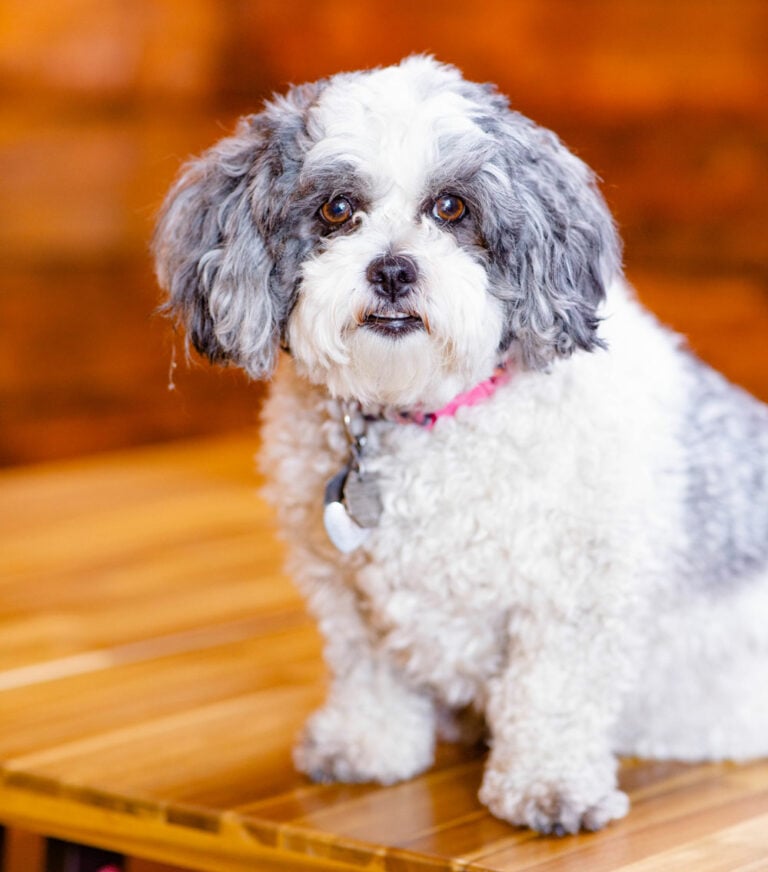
(555, 244)
(214, 251)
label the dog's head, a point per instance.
(401, 230)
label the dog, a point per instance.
(507, 492)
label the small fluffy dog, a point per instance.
(505, 488)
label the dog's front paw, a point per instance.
(553, 808)
(337, 746)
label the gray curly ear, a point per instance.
(553, 242)
(215, 248)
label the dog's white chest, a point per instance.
(431, 583)
(482, 516)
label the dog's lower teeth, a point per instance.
(392, 320)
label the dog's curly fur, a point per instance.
(582, 559)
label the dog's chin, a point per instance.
(390, 360)
(393, 361)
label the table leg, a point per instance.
(67, 857)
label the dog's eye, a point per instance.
(336, 211)
(449, 208)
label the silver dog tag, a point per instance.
(343, 531)
(362, 498)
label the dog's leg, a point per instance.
(551, 713)
(374, 726)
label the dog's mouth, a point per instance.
(393, 324)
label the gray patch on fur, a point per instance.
(726, 444)
(224, 247)
(553, 244)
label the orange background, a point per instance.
(102, 99)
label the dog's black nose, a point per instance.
(392, 275)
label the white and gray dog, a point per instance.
(505, 488)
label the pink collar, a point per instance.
(478, 394)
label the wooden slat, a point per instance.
(183, 537)
(666, 818)
(157, 665)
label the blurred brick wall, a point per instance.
(102, 99)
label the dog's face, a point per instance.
(401, 230)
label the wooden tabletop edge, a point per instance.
(172, 830)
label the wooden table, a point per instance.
(155, 666)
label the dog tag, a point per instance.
(345, 533)
(362, 498)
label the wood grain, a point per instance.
(156, 666)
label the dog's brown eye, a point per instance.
(336, 211)
(448, 208)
